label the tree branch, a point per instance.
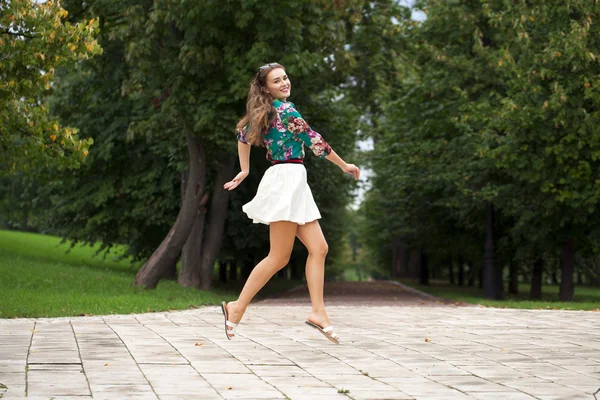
(25, 132)
(7, 32)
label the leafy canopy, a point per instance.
(34, 41)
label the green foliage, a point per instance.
(128, 190)
(172, 69)
(34, 42)
(496, 104)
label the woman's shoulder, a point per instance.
(284, 106)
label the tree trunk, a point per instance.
(424, 273)
(536, 279)
(566, 291)
(167, 253)
(554, 278)
(461, 271)
(491, 286)
(451, 271)
(25, 221)
(398, 256)
(223, 271)
(414, 264)
(190, 271)
(513, 282)
(171, 272)
(211, 245)
(471, 281)
(233, 271)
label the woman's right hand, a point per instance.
(352, 170)
(236, 181)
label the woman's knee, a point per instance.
(320, 250)
(280, 260)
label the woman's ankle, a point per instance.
(318, 311)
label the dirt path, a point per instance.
(377, 293)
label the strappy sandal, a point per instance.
(332, 336)
(228, 332)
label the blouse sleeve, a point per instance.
(241, 135)
(302, 132)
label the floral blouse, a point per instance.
(287, 134)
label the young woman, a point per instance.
(283, 200)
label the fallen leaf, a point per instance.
(106, 365)
(199, 344)
(427, 339)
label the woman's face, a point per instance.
(278, 84)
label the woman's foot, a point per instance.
(234, 315)
(321, 319)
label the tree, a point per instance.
(497, 112)
(545, 135)
(128, 191)
(175, 88)
(34, 42)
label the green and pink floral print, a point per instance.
(287, 135)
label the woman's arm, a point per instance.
(244, 155)
(348, 168)
(313, 140)
(337, 160)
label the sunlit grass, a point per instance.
(38, 279)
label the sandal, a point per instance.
(228, 332)
(332, 336)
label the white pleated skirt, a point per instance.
(283, 195)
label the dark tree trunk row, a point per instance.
(233, 270)
(461, 271)
(424, 276)
(222, 271)
(536, 279)
(566, 291)
(398, 256)
(513, 282)
(492, 275)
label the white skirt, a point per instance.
(283, 195)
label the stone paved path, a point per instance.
(388, 352)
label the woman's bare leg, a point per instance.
(282, 235)
(312, 237)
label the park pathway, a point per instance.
(396, 346)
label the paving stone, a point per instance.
(501, 396)
(470, 353)
(378, 395)
(57, 382)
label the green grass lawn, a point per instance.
(38, 279)
(586, 298)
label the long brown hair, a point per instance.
(258, 106)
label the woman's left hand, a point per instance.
(352, 170)
(236, 181)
